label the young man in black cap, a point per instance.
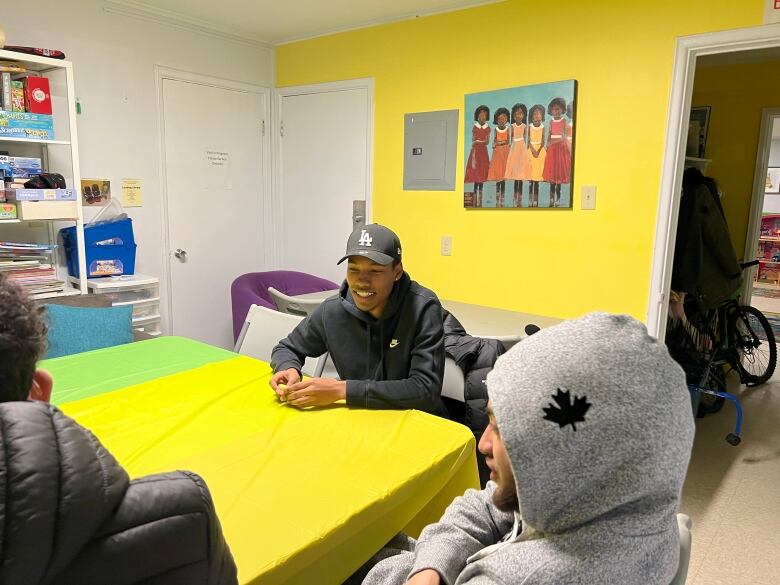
(383, 331)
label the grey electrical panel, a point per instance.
(430, 150)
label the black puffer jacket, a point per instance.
(476, 357)
(70, 516)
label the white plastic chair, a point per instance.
(262, 331)
(684, 527)
(454, 384)
(292, 305)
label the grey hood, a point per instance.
(613, 449)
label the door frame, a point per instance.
(161, 73)
(768, 117)
(277, 203)
(687, 50)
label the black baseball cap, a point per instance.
(375, 242)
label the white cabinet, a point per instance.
(59, 155)
(139, 291)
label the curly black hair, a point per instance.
(560, 102)
(500, 111)
(533, 109)
(22, 340)
(479, 109)
(522, 108)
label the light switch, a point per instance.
(588, 200)
(446, 245)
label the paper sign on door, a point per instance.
(218, 169)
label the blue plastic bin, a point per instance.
(110, 249)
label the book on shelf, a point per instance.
(37, 95)
(31, 266)
(5, 91)
(17, 96)
(40, 194)
(6, 265)
(54, 286)
(12, 67)
(25, 247)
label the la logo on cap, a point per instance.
(365, 239)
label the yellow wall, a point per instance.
(736, 94)
(552, 262)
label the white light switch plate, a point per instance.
(588, 200)
(446, 245)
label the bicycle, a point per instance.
(732, 337)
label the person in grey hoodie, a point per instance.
(588, 443)
(384, 333)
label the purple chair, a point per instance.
(252, 288)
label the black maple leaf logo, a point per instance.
(568, 413)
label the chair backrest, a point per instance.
(262, 331)
(252, 288)
(291, 305)
(684, 528)
(454, 384)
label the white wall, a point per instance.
(113, 59)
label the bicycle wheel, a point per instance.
(753, 341)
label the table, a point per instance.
(303, 496)
(478, 320)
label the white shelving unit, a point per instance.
(60, 155)
(140, 291)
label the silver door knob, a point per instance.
(180, 254)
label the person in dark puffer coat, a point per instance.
(69, 514)
(475, 356)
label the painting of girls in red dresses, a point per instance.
(519, 147)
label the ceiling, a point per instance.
(276, 22)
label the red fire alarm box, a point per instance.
(37, 96)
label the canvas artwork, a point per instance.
(518, 147)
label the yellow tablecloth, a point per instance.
(303, 496)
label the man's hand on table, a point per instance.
(426, 577)
(316, 392)
(281, 380)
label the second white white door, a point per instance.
(324, 166)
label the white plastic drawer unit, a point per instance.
(126, 289)
(149, 325)
(138, 291)
(131, 294)
(141, 308)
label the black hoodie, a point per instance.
(396, 361)
(69, 515)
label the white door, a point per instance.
(324, 165)
(214, 179)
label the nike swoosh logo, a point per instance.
(393, 343)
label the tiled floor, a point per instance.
(766, 298)
(733, 494)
